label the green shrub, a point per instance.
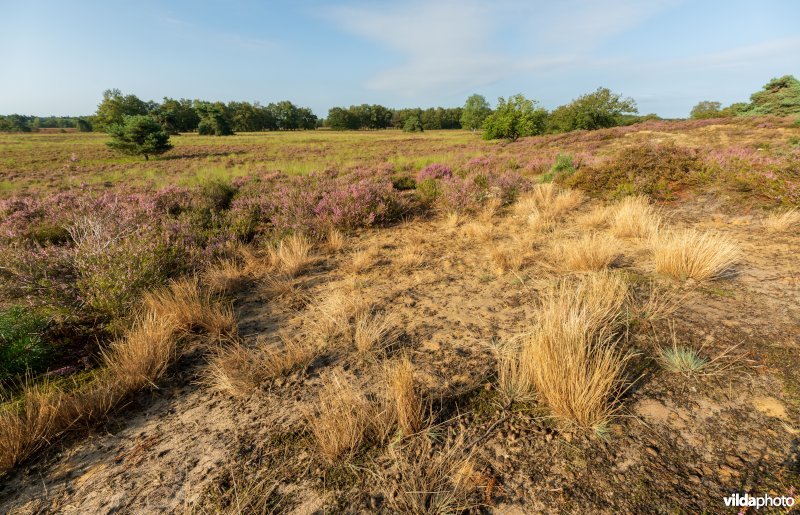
(216, 195)
(404, 183)
(650, 169)
(562, 169)
(47, 233)
(22, 347)
(428, 190)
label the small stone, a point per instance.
(652, 450)
(727, 472)
(694, 478)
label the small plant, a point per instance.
(403, 393)
(592, 252)
(683, 360)
(562, 168)
(22, 348)
(292, 255)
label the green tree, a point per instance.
(779, 97)
(476, 110)
(517, 117)
(115, 106)
(412, 124)
(706, 109)
(597, 110)
(83, 125)
(139, 135)
(214, 119)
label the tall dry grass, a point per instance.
(634, 217)
(570, 357)
(239, 370)
(590, 252)
(691, 254)
(42, 413)
(292, 255)
(343, 420)
(404, 396)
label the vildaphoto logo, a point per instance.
(762, 501)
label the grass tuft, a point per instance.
(690, 254)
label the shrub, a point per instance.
(22, 347)
(434, 171)
(139, 135)
(562, 169)
(657, 170)
(517, 117)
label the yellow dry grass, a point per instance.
(784, 221)
(478, 230)
(239, 370)
(342, 421)
(364, 259)
(691, 254)
(42, 413)
(404, 396)
(374, 331)
(590, 252)
(225, 277)
(335, 240)
(571, 357)
(634, 217)
(292, 255)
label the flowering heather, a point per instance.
(434, 171)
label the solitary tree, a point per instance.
(475, 112)
(706, 109)
(597, 110)
(517, 117)
(139, 135)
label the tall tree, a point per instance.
(115, 106)
(476, 110)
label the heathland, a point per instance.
(383, 321)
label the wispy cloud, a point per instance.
(780, 51)
(450, 46)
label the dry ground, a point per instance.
(451, 291)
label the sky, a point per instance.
(56, 57)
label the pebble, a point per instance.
(652, 450)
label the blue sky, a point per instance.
(57, 57)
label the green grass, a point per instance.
(683, 360)
(22, 348)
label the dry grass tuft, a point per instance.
(634, 217)
(540, 221)
(239, 370)
(343, 420)
(225, 278)
(782, 222)
(374, 331)
(404, 395)
(143, 355)
(490, 209)
(364, 259)
(478, 230)
(571, 355)
(690, 254)
(335, 240)
(452, 220)
(506, 258)
(597, 218)
(410, 256)
(292, 255)
(430, 480)
(185, 303)
(588, 253)
(334, 314)
(566, 200)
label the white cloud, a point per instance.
(449, 46)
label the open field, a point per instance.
(361, 322)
